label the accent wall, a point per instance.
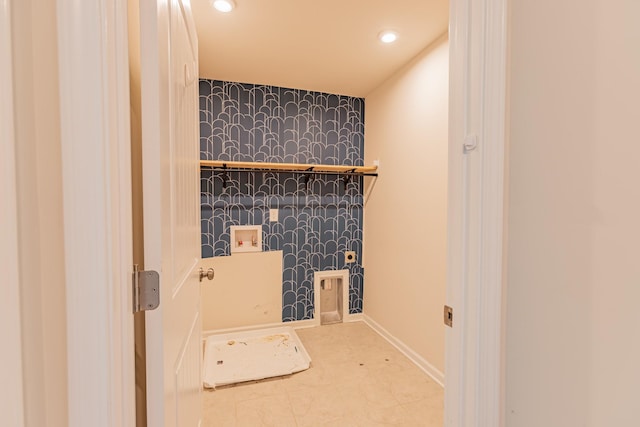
(319, 218)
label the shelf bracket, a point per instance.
(308, 177)
(225, 176)
(347, 178)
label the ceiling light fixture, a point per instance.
(388, 36)
(224, 5)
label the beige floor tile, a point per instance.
(316, 405)
(219, 405)
(220, 416)
(257, 389)
(342, 422)
(265, 411)
(384, 359)
(408, 385)
(427, 412)
(391, 416)
(357, 379)
(372, 396)
(315, 376)
(328, 354)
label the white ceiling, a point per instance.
(321, 45)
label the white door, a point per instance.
(170, 132)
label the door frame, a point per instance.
(11, 396)
(94, 119)
(474, 361)
(95, 106)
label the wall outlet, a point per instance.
(349, 257)
(273, 215)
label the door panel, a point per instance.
(171, 210)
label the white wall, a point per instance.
(40, 225)
(573, 303)
(405, 218)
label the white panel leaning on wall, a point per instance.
(246, 291)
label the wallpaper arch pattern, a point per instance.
(318, 221)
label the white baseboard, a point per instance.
(297, 324)
(421, 362)
(357, 317)
(206, 334)
(310, 323)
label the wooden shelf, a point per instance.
(289, 167)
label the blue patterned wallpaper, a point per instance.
(318, 220)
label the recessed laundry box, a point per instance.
(246, 238)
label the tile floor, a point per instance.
(357, 379)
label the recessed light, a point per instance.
(388, 36)
(224, 5)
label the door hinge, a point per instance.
(448, 316)
(146, 290)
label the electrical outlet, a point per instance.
(349, 257)
(273, 215)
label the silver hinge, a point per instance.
(448, 316)
(146, 290)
